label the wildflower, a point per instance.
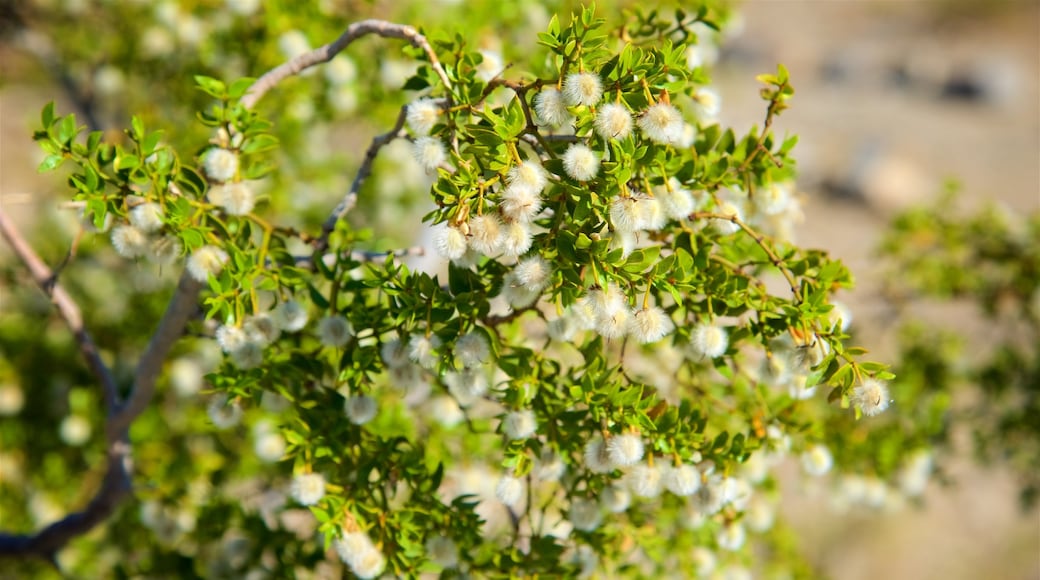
(307, 488)
(662, 123)
(677, 203)
(360, 409)
(871, 396)
(519, 424)
(220, 164)
(75, 430)
(165, 249)
(580, 163)
(449, 242)
(262, 328)
(129, 242)
(625, 450)
(442, 551)
(206, 261)
(773, 199)
(224, 413)
(334, 330)
(422, 350)
(248, 356)
(650, 325)
(551, 108)
(269, 447)
(422, 115)
(485, 234)
(291, 316)
(360, 555)
(429, 152)
(624, 215)
(615, 498)
(516, 294)
(731, 537)
(235, 198)
(683, 480)
(626, 241)
(510, 490)
(817, 460)
(520, 204)
(516, 239)
(609, 310)
(491, 65)
(528, 175)
(147, 217)
(706, 104)
(230, 338)
(472, 350)
(724, 225)
(597, 458)
(708, 340)
(613, 121)
(533, 273)
(394, 354)
(582, 88)
(563, 328)
(585, 514)
(645, 480)
(467, 386)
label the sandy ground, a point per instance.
(869, 76)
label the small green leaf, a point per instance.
(50, 163)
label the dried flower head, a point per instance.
(662, 123)
(422, 115)
(582, 88)
(708, 340)
(485, 234)
(551, 109)
(429, 152)
(449, 242)
(871, 396)
(613, 121)
(206, 261)
(580, 163)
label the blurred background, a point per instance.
(894, 101)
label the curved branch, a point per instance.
(325, 53)
(67, 308)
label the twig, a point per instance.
(182, 306)
(350, 199)
(325, 53)
(66, 306)
(761, 241)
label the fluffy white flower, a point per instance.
(129, 242)
(262, 328)
(449, 242)
(585, 514)
(650, 325)
(677, 203)
(708, 340)
(224, 413)
(625, 449)
(551, 109)
(291, 316)
(422, 115)
(533, 273)
(429, 152)
(206, 261)
(334, 330)
(269, 447)
(529, 175)
(615, 498)
(549, 466)
(662, 123)
(597, 458)
(727, 226)
(307, 488)
(706, 103)
(472, 349)
(356, 550)
(235, 198)
(516, 239)
(220, 164)
(520, 204)
(147, 217)
(519, 424)
(624, 214)
(165, 249)
(582, 88)
(423, 350)
(645, 480)
(485, 234)
(185, 377)
(515, 293)
(509, 490)
(683, 480)
(613, 121)
(774, 198)
(248, 356)
(580, 163)
(731, 537)
(871, 396)
(817, 460)
(360, 409)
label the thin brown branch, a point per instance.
(67, 308)
(180, 309)
(759, 239)
(325, 53)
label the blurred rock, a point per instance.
(883, 179)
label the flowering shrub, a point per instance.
(595, 374)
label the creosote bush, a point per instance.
(593, 376)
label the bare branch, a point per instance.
(67, 308)
(182, 306)
(350, 199)
(325, 53)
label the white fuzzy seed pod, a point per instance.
(662, 123)
(235, 198)
(291, 316)
(442, 551)
(613, 121)
(580, 162)
(449, 242)
(206, 261)
(533, 273)
(422, 115)
(307, 488)
(334, 331)
(625, 450)
(165, 249)
(520, 204)
(360, 409)
(582, 88)
(871, 396)
(817, 460)
(519, 425)
(147, 217)
(708, 340)
(509, 490)
(597, 458)
(529, 175)
(220, 164)
(551, 109)
(650, 325)
(683, 480)
(585, 515)
(129, 242)
(472, 349)
(645, 480)
(422, 350)
(485, 234)
(516, 239)
(429, 152)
